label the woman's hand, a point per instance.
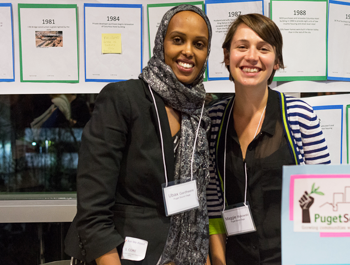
(218, 249)
(110, 258)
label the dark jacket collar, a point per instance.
(166, 133)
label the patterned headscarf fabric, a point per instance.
(188, 237)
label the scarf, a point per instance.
(188, 237)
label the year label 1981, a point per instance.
(48, 21)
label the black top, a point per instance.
(120, 173)
(265, 156)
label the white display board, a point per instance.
(224, 86)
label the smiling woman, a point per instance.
(186, 45)
(253, 135)
(250, 59)
(145, 133)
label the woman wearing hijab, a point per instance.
(253, 135)
(143, 134)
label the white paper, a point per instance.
(221, 16)
(134, 249)
(338, 41)
(303, 25)
(123, 66)
(331, 124)
(40, 29)
(155, 15)
(6, 44)
(238, 221)
(181, 197)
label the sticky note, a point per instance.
(111, 43)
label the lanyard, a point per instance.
(161, 139)
(245, 165)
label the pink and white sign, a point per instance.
(320, 203)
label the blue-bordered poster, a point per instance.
(113, 42)
(331, 122)
(7, 66)
(221, 14)
(338, 41)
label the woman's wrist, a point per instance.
(110, 258)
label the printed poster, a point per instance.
(7, 66)
(331, 123)
(48, 40)
(221, 14)
(338, 41)
(113, 42)
(303, 25)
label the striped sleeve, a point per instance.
(307, 132)
(214, 191)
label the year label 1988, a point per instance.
(299, 12)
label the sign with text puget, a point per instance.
(316, 215)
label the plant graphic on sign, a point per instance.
(306, 201)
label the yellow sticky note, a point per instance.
(111, 43)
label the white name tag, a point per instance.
(134, 249)
(180, 197)
(238, 220)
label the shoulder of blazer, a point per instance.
(138, 91)
(132, 87)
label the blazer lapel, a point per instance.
(166, 133)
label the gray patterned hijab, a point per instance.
(188, 237)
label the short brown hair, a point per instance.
(265, 28)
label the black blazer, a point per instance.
(120, 173)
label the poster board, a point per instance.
(324, 237)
